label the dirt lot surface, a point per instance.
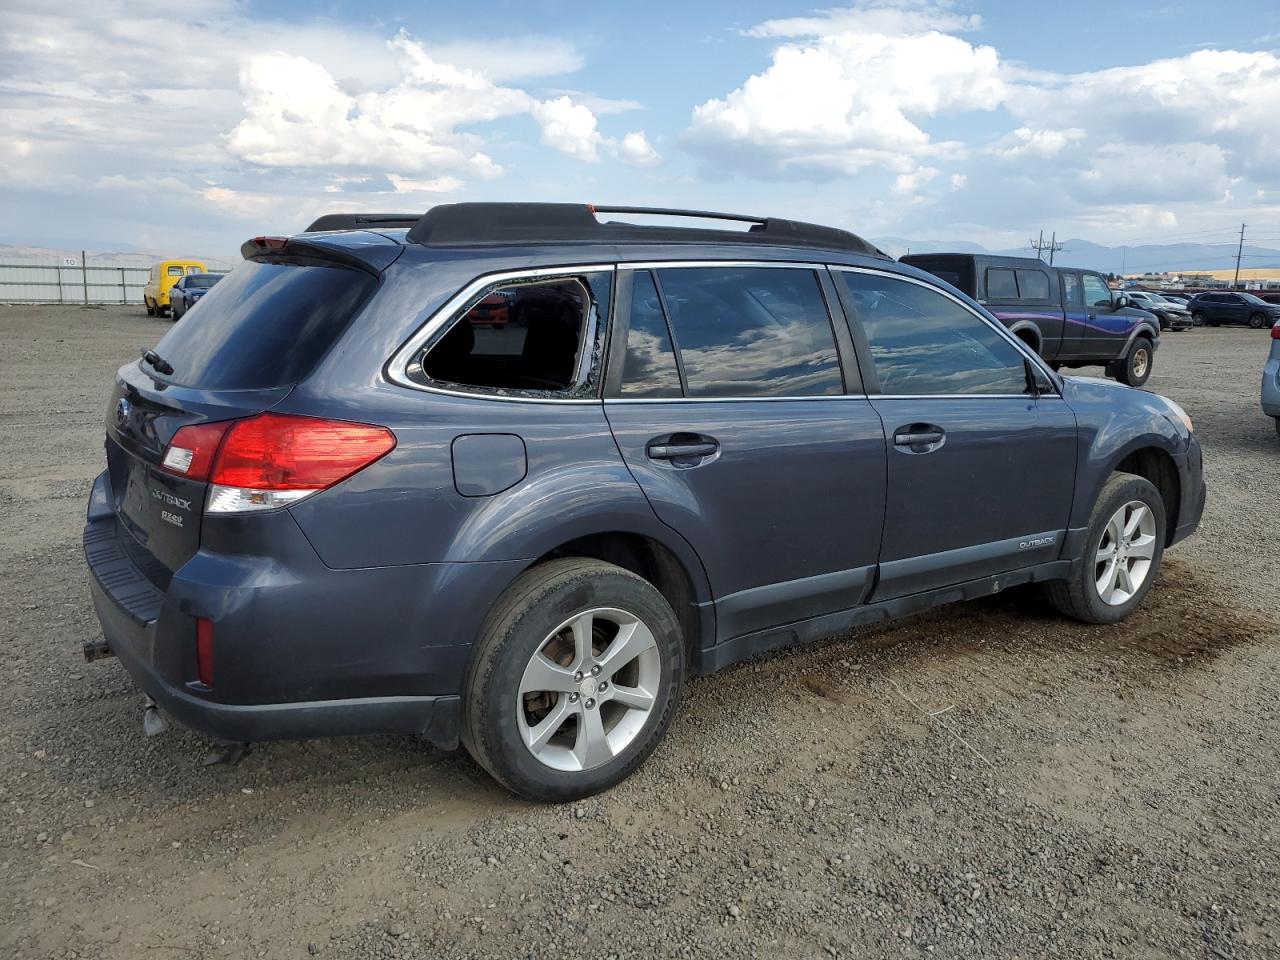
(986, 780)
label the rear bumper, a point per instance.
(300, 650)
(434, 718)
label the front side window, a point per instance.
(539, 336)
(1096, 291)
(649, 367)
(751, 331)
(924, 343)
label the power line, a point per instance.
(1039, 246)
(1239, 251)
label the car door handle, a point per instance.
(919, 438)
(682, 446)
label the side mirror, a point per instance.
(1122, 301)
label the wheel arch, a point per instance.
(1151, 457)
(1028, 333)
(680, 579)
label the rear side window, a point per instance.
(924, 343)
(540, 335)
(1001, 285)
(1032, 285)
(649, 367)
(751, 331)
(264, 325)
(175, 271)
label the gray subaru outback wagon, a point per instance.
(507, 474)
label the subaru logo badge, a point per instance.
(122, 411)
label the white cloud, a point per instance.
(862, 95)
(571, 128)
(891, 17)
(277, 118)
(849, 96)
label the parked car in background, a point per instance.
(1271, 379)
(1171, 314)
(1176, 297)
(330, 507)
(155, 295)
(1270, 297)
(1070, 317)
(184, 294)
(1215, 309)
(491, 311)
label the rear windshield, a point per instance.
(263, 325)
(203, 280)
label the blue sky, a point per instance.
(896, 118)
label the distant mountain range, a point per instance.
(1152, 258)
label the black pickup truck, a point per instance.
(1069, 316)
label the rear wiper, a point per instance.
(159, 363)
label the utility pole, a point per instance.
(1039, 246)
(1235, 285)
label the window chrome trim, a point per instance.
(828, 396)
(670, 264)
(999, 327)
(395, 369)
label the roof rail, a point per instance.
(363, 221)
(468, 224)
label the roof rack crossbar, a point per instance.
(479, 224)
(675, 212)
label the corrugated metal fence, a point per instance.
(75, 278)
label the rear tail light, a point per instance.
(204, 651)
(190, 452)
(1275, 330)
(273, 459)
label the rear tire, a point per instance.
(535, 713)
(1257, 321)
(1135, 368)
(1090, 592)
(1277, 423)
(151, 311)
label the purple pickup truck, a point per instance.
(1067, 315)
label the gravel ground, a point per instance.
(982, 781)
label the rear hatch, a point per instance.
(258, 332)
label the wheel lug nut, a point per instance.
(573, 698)
(590, 703)
(604, 685)
(577, 677)
(595, 669)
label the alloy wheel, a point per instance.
(1125, 550)
(589, 689)
(1140, 361)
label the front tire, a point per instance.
(1257, 321)
(1135, 368)
(576, 676)
(1122, 553)
(1197, 319)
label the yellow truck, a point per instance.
(155, 295)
